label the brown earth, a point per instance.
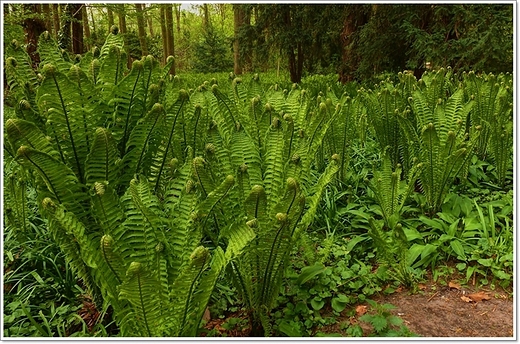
(433, 311)
(454, 311)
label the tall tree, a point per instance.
(86, 27)
(177, 8)
(141, 28)
(355, 17)
(169, 34)
(238, 15)
(47, 17)
(33, 27)
(56, 19)
(121, 13)
(110, 15)
(294, 48)
(77, 28)
(205, 16)
(149, 19)
(162, 19)
(92, 20)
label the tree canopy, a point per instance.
(355, 41)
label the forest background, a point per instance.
(354, 41)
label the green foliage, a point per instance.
(492, 110)
(390, 191)
(384, 323)
(438, 138)
(211, 52)
(150, 187)
(316, 294)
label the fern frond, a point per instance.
(50, 53)
(183, 289)
(273, 160)
(62, 184)
(313, 201)
(105, 207)
(24, 133)
(62, 99)
(79, 249)
(141, 144)
(164, 150)
(201, 296)
(102, 162)
(140, 288)
(127, 98)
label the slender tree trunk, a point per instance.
(110, 18)
(248, 58)
(47, 17)
(77, 28)
(33, 28)
(141, 29)
(86, 27)
(150, 23)
(65, 25)
(56, 19)
(238, 16)
(205, 18)
(295, 58)
(123, 30)
(92, 19)
(122, 18)
(162, 15)
(178, 17)
(354, 19)
(169, 34)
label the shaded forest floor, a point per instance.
(454, 311)
(435, 310)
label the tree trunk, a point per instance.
(110, 18)
(162, 15)
(47, 17)
(121, 14)
(141, 29)
(169, 34)
(238, 16)
(33, 28)
(178, 17)
(86, 27)
(122, 18)
(56, 19)
(150, 24)
(295, 59)
(205, 17)
(77, 28)
(92, 20)
(354, 19)
(248, 58)
(65, 24)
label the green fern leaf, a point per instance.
(140, 288)
(102, 161)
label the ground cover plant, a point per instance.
(275, 207)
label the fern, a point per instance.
(62, 99)
(101, 164)
(390, 191)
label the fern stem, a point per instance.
(197, 116)
(65, 113)
(190, 293)
(163, 163)
(126, 132)
(142, 304)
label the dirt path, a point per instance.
(454, 312)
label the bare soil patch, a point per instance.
(454, 311)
